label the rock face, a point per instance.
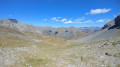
(112, 24)
(117, 21)
(109, 24)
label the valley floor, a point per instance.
(18, 53)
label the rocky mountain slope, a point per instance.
(109, 30)
(62, 32)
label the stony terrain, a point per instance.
(104, 53)
(30, 49)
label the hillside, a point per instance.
(6, 32)
(20, 47)
(109, 30)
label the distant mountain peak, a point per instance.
(8, 21)
(13, 20)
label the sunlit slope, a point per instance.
(101, 35)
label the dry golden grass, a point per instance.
(12, 42)
(48, 38)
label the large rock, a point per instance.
(117, 21)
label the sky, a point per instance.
(60, 13)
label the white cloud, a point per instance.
(74, 21)
(63, 20)
(88, 21)
(98, 11)
(55, 19)
(68, 21)
(103, 20)
(100, 21)
(58, 19)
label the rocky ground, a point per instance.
(102, 53)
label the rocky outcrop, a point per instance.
(109, 24)
(117, 21)
(113, 24)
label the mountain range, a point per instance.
(23, 45)
(63, 32)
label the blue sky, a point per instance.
(60, 13)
